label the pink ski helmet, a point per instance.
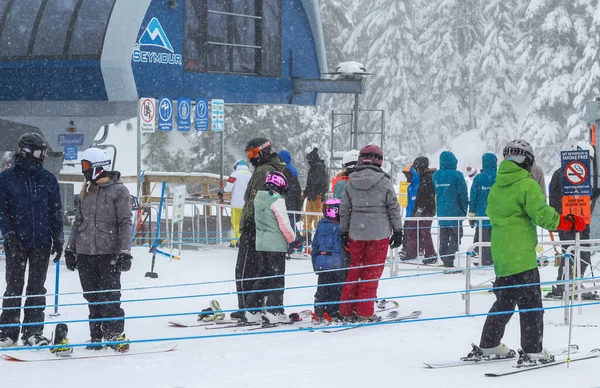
(276, 181)
(331, 209)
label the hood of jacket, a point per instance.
(241, 167)
(489, 162)
(366, 177)
(263, 199)
(416, 178)
(448, 161)
(285, 156)
(509, 172)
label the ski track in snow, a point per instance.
(372, 356)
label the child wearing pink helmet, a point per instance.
(329, 263)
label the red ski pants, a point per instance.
(363, 253)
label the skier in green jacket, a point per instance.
(516, 205)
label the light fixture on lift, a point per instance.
(173, 4)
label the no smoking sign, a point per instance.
(576, 177)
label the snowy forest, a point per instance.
(505, 68)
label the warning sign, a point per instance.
(578, 205)
(147, 115)
(576, 172)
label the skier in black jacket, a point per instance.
(317, 184)
(555, 199)
(32, 225)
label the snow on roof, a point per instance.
(351, 68)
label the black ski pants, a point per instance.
(256, 271)
(585, 256)
(16, 262)
(449, 243)
(527, 297)
(485, 253)
(327, 291)
(97, 273)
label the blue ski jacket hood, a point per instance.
(286, 158)
(450, 190)
(30, 205)
(480, 189)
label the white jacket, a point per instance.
(236, 185)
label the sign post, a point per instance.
(178, 213)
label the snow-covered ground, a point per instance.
(377, 356)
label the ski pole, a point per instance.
(153, 274)
(572, 297)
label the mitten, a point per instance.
(70, 259)
(571, 222)
(123, 261)
(396, 239)
(57, 247)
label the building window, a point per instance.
(17, 28)
(53, 29)
(233, 36)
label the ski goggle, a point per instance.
(86, 165)
(332, 211)
(253, 153)
(38, 154)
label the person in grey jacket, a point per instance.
(99, 247)
(369, 214)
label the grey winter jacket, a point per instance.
(369, 208)
(103, 219)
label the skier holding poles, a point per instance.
(516, 205)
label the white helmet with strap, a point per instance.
(96, 160)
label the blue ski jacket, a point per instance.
(412, 190)
(30, 205)
(327, 248)
(480, 189)
(450, 190)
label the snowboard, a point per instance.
(80, 352)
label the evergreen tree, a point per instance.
(554, 34)
(498, 118)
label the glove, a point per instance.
(123, 261)
(11, 241)
(346, 241)
(396, 239)
(571, 222)
(57, 247)
(294, 246)
(220, 194)
(70, 259)
(472, 223)
(419, 212)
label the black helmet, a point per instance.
(33, 146)
(258, 149)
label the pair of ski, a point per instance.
(559, 354)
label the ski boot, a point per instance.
(531, 359)
(497, 352)
(36, 339)
(215, 314)
(556, 293)
(122, 344)
(270, 318)
(60, 338)
(95, 344)
(6, 341)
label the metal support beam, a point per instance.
(302, 85)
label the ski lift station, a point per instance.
(70, 67)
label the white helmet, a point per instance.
(350, 158)
(584, 146)
(94, 162)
